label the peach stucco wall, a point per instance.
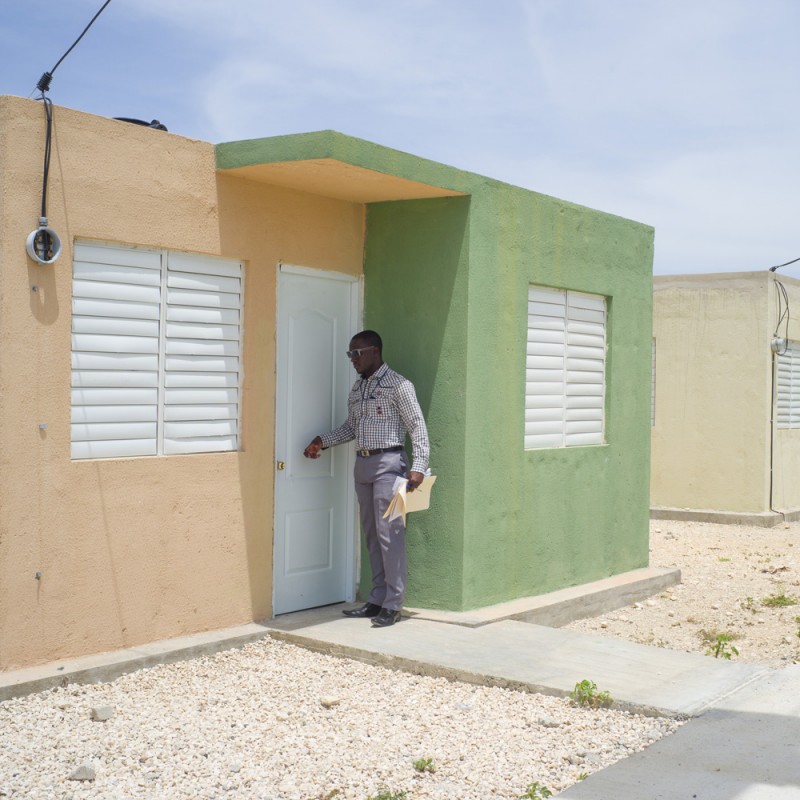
(139, 549)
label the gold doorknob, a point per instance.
(281, 465)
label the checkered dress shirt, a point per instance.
(381, 409)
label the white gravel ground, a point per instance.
(728, 572)
(276, 722)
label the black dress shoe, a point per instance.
(386, 617)
(367, 610)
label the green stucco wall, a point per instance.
(416, 280)
(544, 519)
(446, 284)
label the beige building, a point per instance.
(726, 402)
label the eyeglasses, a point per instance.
(357, 353)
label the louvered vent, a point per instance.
(203, 336)
(788, 411)
(156, 341)
(565, 368)
(653, 384)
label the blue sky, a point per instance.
(680, 114)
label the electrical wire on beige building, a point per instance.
(726, 402)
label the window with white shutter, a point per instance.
(788, 400)
(156, 352)
(565, 368)
(653, 384)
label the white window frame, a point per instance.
(787, 400)
(156, 352)
(653, 384)
(565, 383)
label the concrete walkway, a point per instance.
(743, 741)
(526, 656)
(746, 747)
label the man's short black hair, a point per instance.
(371, 338)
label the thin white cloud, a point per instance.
(718, 210)
(418, 60)
(635, 84)
(679, 114)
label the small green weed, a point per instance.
(723, 559)
(583, 776)
(424, 765)
(585, 694)
(778, 601)
(386, 794)
(535, 792)
(720, 645)
(797, 620)
(748, 604)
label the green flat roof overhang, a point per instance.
(330, 164)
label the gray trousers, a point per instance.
(386, 541)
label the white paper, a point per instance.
(405, 501)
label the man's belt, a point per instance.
(365, 453)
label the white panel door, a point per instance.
(314, 554)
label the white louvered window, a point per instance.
(565, 368)
(788, 401)
(653, 384)
(156, 352)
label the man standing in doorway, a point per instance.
(381, 409)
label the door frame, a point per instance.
(353, 551)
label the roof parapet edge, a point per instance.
(347, 149)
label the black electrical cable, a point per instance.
(783, 313)
(778, 266)
(44, 245)
(43, 86)
(48, 138)
(44, 82)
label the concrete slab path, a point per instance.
(747, 747)
(743, 742)
(533, 657)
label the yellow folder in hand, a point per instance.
(405, 501)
